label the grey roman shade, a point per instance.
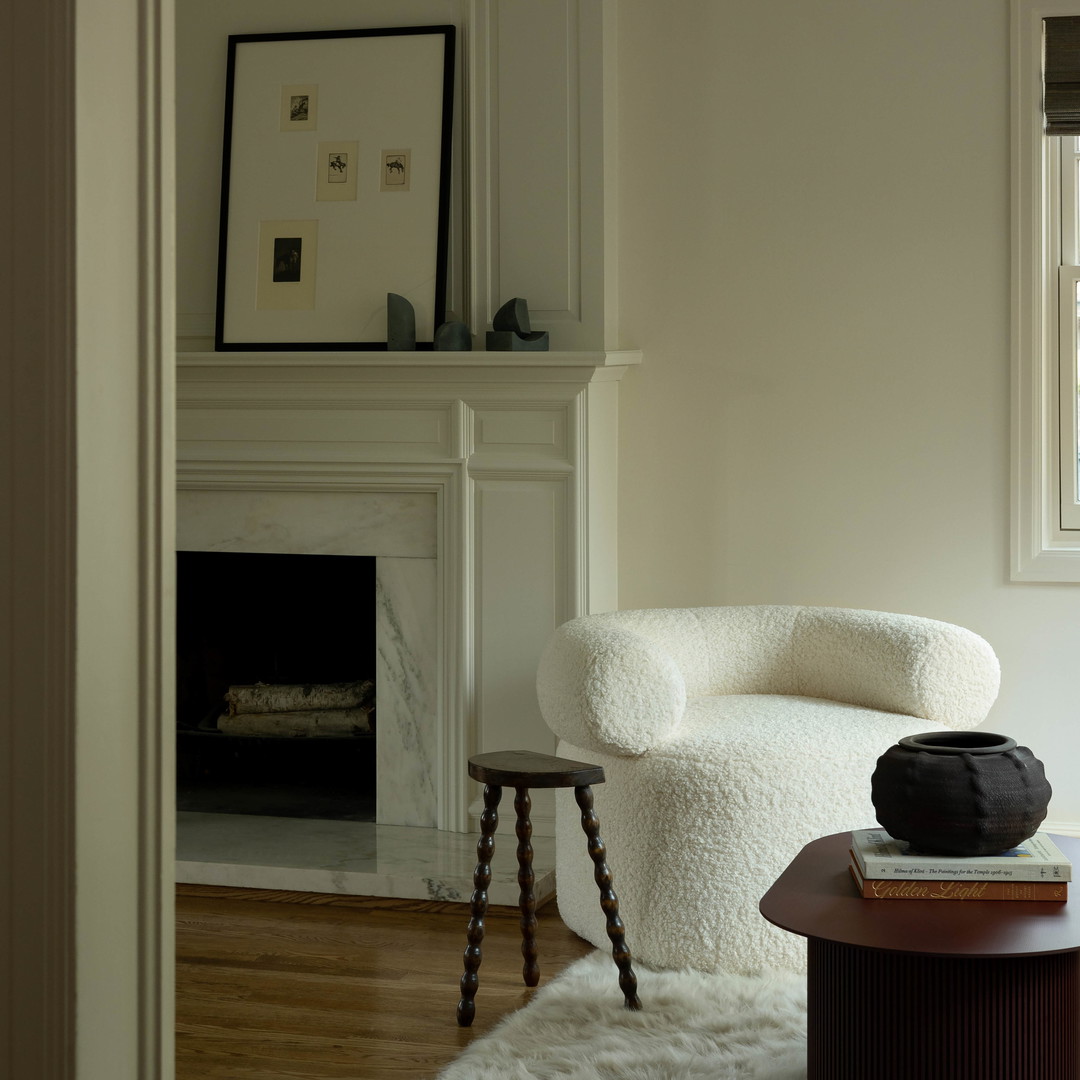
(1061, 75)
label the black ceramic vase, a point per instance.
(960, 792)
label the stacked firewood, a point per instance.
(308, 710)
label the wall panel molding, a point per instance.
(541, 138)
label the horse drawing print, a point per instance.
(396, 170)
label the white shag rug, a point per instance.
(691, 1026)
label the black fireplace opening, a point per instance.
(285, 628)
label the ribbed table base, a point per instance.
(883, 1014)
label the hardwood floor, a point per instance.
(301, 986)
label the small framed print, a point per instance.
(319, 127)
(299, 108)
(335, 171)
(285, 272)
(396, 171)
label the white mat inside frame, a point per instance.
(691, 1027)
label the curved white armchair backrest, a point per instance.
(620, 681)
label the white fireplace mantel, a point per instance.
(515, 452)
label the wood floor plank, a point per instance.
(295, 986)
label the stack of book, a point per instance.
(884, 868)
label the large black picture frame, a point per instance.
(335, 186)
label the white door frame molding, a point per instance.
(86, 404)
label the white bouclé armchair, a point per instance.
(730, 737)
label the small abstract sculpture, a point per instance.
(400, 324)
(511, 331)
(453, 337)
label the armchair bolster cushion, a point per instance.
(606, 688)
(619, 682)
(898, 663)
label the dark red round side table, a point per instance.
(924, 989)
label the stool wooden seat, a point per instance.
(521, 770)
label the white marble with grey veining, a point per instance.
(397, 523)
(351, 858)
(406, 622)
(400, 529)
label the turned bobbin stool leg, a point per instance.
(590, 823)
(530, 972)
(522, 769)
(485, 848)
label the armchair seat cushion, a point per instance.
(699, 828)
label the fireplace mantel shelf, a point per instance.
(410, 366)
(363, 358)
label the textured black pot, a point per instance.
(960, 792)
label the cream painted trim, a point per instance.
(1040, 549)
(124, 261)
(85, 425)
(482, 181)
(248, 368)
(572, 53)
(1062, 828)
(157, 541)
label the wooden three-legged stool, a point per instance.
(521, 770)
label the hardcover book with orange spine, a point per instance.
(891, 889)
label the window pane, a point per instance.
(1068, 410)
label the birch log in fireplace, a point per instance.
(483, 484)
(306, 697)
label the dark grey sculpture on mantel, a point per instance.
(511, 331)
(453, 337)
(400, 324)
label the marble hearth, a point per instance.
(349, 857)
(483, 485)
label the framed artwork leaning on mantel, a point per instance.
(335, 186)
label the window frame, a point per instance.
(1044, 546)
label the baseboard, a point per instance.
(368, 903)
(543, 821)
(1063, 828)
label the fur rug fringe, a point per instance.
(691, 1026)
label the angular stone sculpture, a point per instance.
(400, 324)
(453, 337)
(511, 331)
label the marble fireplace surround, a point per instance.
(483, 485)
(398, 528)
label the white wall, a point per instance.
(814, 222)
